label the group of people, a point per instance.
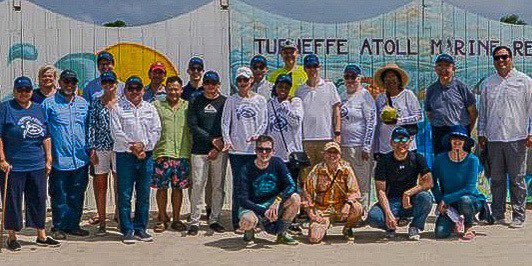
(294, 145)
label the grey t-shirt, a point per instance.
(449, 104)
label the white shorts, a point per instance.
(106, 162)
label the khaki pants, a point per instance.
(363, 171)
(314, 150)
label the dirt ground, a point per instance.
(494, 245)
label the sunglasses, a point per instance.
(263, 150)
(504, 57)
(134, 88)
(259, 67)
(210, 82)
(24, 89)
(350, 76)
(403, 140)
(198, 69)
(242, 80)
(70, 81)
(107, 82)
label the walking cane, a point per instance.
(6, 177)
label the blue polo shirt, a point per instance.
(67, 122)
(449, 104)
(190, 92)
(23, 132)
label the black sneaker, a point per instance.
(216, 227)
(143, 236)
(78, 232)
(58, 234)
(249, 236)
(129, 238)
(48, 241)
(193, 230)
(13, 245)
(294, 229)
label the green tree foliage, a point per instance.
(118, 23)
(513, 19)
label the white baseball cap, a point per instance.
(244, 72)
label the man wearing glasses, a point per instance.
(67, 115)
(267, 194)
(289, 53)
(194, 86)
(402, 181)
(505, 129)
(259, 67)
(135, 127)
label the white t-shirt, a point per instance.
(318, 105)
(242, 119)
(408, 112)
(289, 120)
(358, 115)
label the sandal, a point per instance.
(468, 235)
(178, 226)
(94, 220)
(160, 227)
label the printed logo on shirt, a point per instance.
(32, 127)
(246, 111)
(265, 184)
(344, 112)
(210, 109)
(278, 124)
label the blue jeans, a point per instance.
(238, 161)
(67, 193)
(133, 173)
(421, 206)
(467, 206)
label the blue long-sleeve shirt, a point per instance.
(453, 180)
(260, 187)
(67, 121)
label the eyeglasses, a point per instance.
(350, 76)
(23, 89)
(198, 69)
(134, 88)
(403, 140)
(263, 150)
(246, 80)
(259, 67)
(504, 57)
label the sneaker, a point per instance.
(58, 234)
(143, 236)
(49, 242)
(102, 231)
(79, 232)
(13, 245)
(249, 235)
(294, 229)
(517, 224)
(193, 230)
(413, 233)
(129, 238)
(216, 227)
(348, 233)
(390, 234)
(500, 221)
(286, 239)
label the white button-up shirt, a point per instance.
(505, 109)
(130, 123)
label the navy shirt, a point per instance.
(23, 132)
(449, 104)
(189, 92)
(37, 96)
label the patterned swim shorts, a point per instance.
(171, 172)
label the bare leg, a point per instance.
(100, 194)
(177, 200)
(161, 196)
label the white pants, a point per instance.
(203, 169)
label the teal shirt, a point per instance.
(175, 140)
(453, 180)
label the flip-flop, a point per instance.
(160, 227)
(468, 236)
(94, 220)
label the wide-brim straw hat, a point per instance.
(405, 78)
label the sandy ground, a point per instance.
(494, 245)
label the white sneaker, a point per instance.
(413, 234)
(517, 224)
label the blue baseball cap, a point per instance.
(311, 60)
(134, 80)
(353, 69)
(400, 132)
(195, 61)
(211, 76)
(286, 78)
(258, 59)
(23, 82)
(445, 58)
(105, 56)
(68, 74)
(108, 76)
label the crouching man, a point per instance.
(267, 195)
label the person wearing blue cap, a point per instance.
(244, 119)
(505, 130)
(135, 128)
(455, 175)
(261, 85)
(289, 54)
(358, 114)
(47, 78)
(100, 145)
(195, 70)
(208, 161)
(105, 62)
(321, 106)
(67, 116)
(26, 161)
(402, 181)
(448, 102)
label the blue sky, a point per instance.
(138, 12)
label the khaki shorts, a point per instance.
(106, 162)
